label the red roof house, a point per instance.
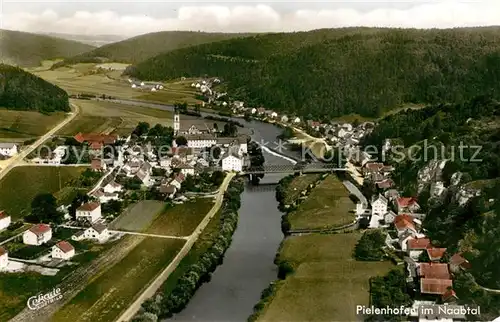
(64, 246)
(89, 206)
(3, 214)
(449, 296)
(435, 254)
(435, 286)
(458, 262)
(434, 270)
(404, 222)
(40, 229)
(3, 251)
(419, 243)
(407, 204)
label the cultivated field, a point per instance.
(174, 91)
(327, 284)
(82, 78)
(109, 294)
(298, 184)
(108, 117)
(327, 206)
(181, 220)
(22, 125)
(22, 184)
(139, 216)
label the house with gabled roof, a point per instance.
(416, 246)
(90, 212)
(434, 278)
(4, 258)
(379, 204)
(458, 263)
(435, 253)
(5, 220)
(37, 235)
(63, 250)
(404, 223)
(98, 231)
(407, 204)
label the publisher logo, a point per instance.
(39, 301)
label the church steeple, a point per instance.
(177, 123)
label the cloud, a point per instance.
(258, 18)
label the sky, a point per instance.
(130, 18)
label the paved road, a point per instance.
(155, 285)
(18, 159)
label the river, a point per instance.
(248, 265)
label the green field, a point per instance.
(108, 117)
(181, 220)
(22, 184)
(174, 92)
(327, 283)
(139, 216)
(109, 294)
(21, 125)
(327, 206)
(298, 184)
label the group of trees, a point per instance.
(203, 182)
(370, 246)
(166, 304)
(44, 210)
(330, 73)
(256, 161)
(389, 291)
(158, 135)
(20, 90)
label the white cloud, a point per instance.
(258, 18)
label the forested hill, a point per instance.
(139, 48)
(335, 72)
(27, 50)
(21, 90)
(470, 226)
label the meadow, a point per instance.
(112, 291)
(327, 206)
(22, 125)
(138, 217)
(22, 184)
(109, 117)
(327, 283)
(298, 184)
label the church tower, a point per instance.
(177, 123)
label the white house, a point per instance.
(112, 187)
(284, 119)
(232, 162)
(186, 169)
(4, 258)
(37, 235)
(8, 149)
(97, 231)
(296, 120)
(90, 211)
(63, 250)
(254, 110)
(389, 217)
(201, 141)
(274, 115)
(379, 204)
(5, 220)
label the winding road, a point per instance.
(18, 159)
(155, 285)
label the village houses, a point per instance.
(4, 258)
(37, 235)
(63, 250)
(97, 232)
(5, 220)
(90, 212)
(8, 149)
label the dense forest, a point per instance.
(473, 227)
(139, 48)
(27, 50)
(327, 73)
(20, 90)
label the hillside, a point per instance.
(93, 40)
(327, 73)
(139, 48)
(460, 218)
(20, 90)
(27, 50)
